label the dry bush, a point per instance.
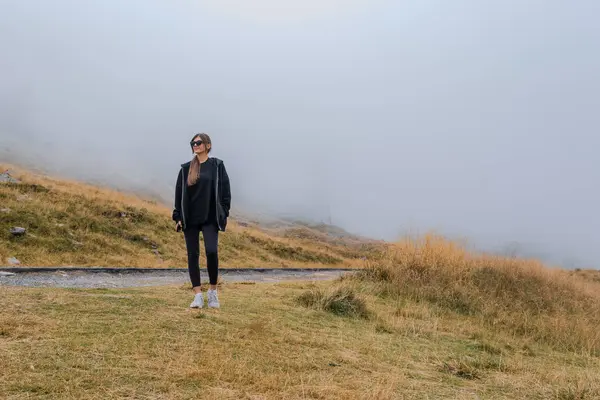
(522, 297)
(341, 301)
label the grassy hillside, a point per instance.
(422, 319)
(70, 223)
(429, 321)
(521, 298)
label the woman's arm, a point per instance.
(225, 190)
(177, 205)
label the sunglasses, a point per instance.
(196, 143)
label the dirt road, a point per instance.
(120, 277)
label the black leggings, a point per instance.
(210, 234)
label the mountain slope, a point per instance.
(73, 223)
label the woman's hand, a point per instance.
(178, 226)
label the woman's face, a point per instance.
(198, 146)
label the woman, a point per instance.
(202, 202)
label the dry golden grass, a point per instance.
(424, 320)
(72, 223)
(263, 344)
(520, 297)
(587, 274)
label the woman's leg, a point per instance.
(192, 243)
(210, 233)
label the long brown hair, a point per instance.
(194, 173)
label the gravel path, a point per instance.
(122, 278)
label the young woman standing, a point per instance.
(202, 203)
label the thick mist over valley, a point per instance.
(478, 120)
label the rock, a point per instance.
(158, 255)
(13, 261)
(5, 210)
(6, 178)
(152, 244)
(17, 231)
(60, 225)
(23, 197)
(4, 273)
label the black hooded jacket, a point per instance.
(222, 194)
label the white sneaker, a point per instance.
(198, 301)
(213, 300)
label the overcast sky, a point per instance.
(475, 118)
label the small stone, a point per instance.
(13, 261)
(4, 273)
(17, 231)
(5, 177)
(23, 197)
(60, 225)
(5, 210)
